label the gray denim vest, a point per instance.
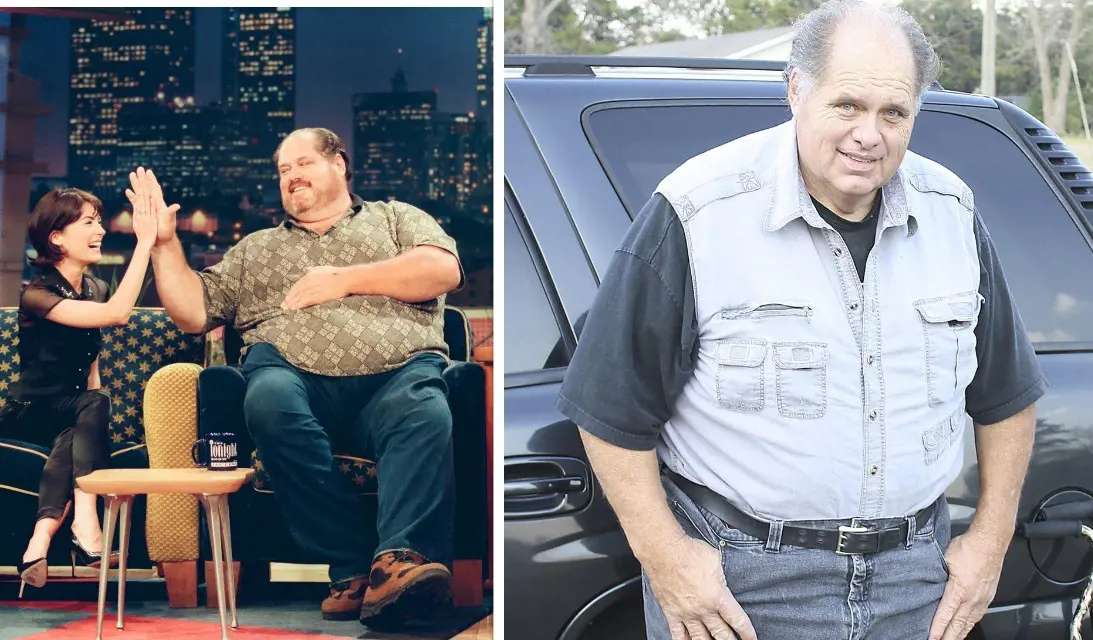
(816, 396)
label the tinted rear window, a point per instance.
(532, 338)
(1046, 260)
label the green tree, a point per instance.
(582, 26)
(1053, 28)
(730, 16)
(1015, 72)
(955, 28)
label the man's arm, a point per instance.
(631, 482)
(1003, 451)
(420, 274)
(975, 558)
(426, 268)
(179, 286)
(621, 396)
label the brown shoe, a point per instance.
(344, 601)
(403, 586)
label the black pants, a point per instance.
(75, 428)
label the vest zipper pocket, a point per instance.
(789, 309)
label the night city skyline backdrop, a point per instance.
(438, 52)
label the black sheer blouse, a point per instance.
(54, 359)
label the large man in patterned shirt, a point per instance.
(341, 312)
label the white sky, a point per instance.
(693, 32)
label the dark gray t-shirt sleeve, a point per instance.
(1009, 378)
(639, 341)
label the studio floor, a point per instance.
(66, 611)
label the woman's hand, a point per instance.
(164, 214)
(144, 218)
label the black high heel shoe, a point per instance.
(84, 558)
(33, 573)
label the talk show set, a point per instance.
(246, 323)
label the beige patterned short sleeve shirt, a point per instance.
(356, 335)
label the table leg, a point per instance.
(212, 514)
(110, 513)
(125, 517)
(226, 523)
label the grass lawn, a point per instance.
(1082, 147)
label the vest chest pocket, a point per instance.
(949, 333)
(740, 374)
(801, 378)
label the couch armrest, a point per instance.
(170, 429)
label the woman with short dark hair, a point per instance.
(58, 401)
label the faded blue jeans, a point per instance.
(792, 592)
(402, 415)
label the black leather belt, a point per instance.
(843, 540)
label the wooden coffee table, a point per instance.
(211, 488)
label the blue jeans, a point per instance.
(794, 592)
(401, 415)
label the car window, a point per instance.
(639, 145)
(1045, 259)
(532, 338)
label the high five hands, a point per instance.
(146, 195)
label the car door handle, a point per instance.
(543, 486)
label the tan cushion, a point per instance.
(170, 422)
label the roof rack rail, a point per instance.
(582, 65)
(573, 65)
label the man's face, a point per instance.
(309, 181)
(853, 128)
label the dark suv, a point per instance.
(586, 142)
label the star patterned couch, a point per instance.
(130, 355)
(151, 370)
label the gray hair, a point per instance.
(813, 41)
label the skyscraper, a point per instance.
(484, 84)
(482, 194)
(259, 77)
(229, 133)
(456, 166)
(172, 139)
(148, 58)
(393, 142)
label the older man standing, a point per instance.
(773, 382)
(341, 312)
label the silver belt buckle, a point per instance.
(843, 530)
